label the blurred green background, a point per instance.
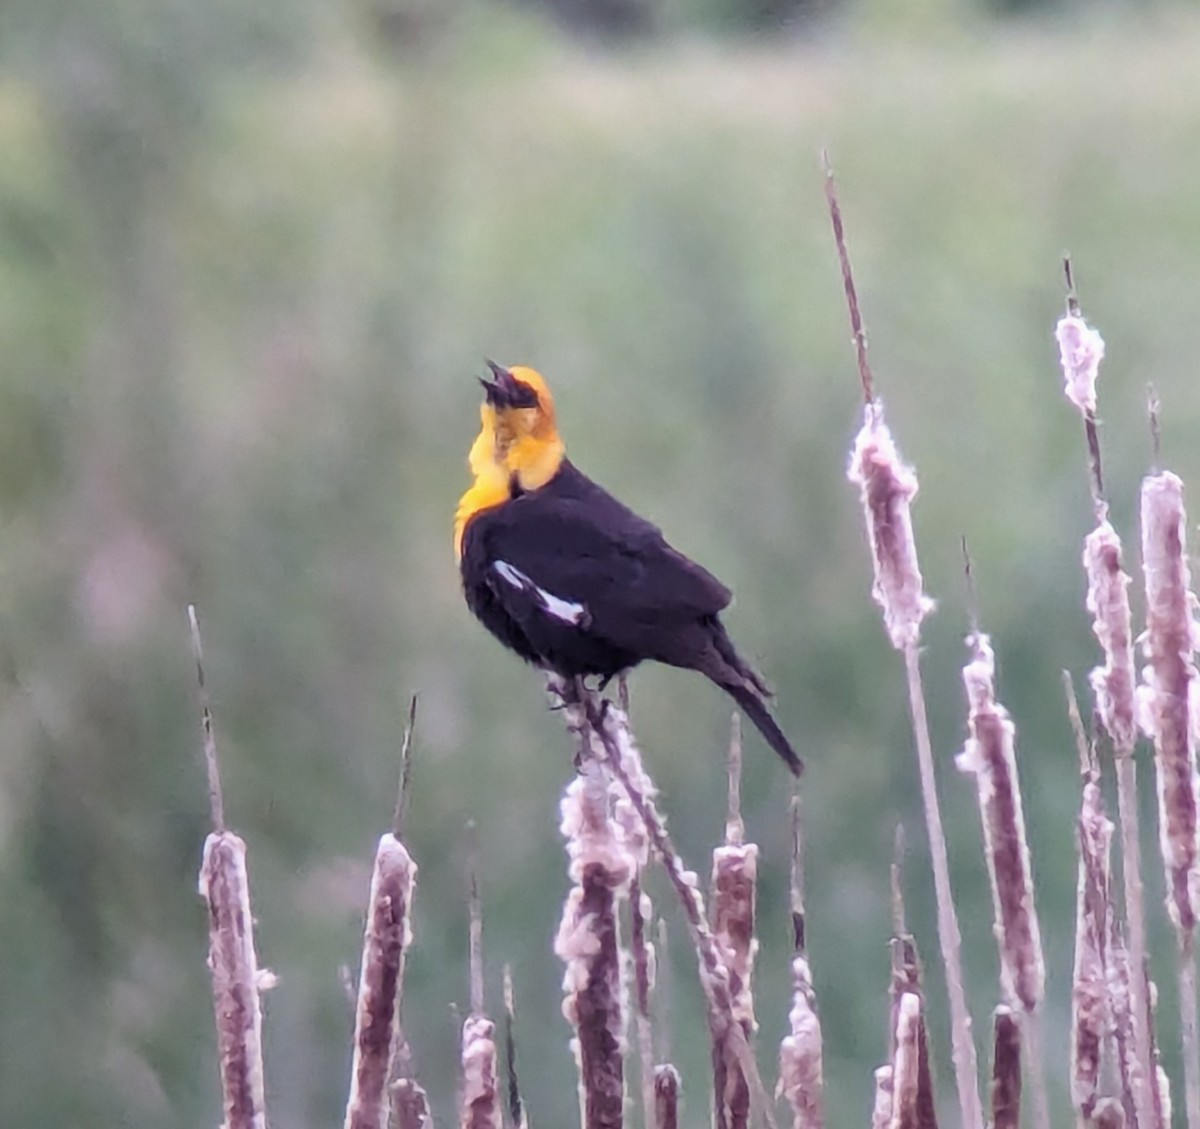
(250, 260)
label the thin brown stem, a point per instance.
(216, 800)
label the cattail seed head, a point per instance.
(236, 979)
(1108, 602)
(801, 1072)
(1168, 698)
(991, 757)
(1090, 1018)
(480, 1093)
(377, 1023)
(887, 488)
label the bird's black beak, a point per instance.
(504, 390)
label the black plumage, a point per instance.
(575, 582)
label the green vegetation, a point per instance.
(249, 266)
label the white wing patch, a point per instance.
(568, 611)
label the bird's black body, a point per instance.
(575, 582)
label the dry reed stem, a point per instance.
(410, 1105)
(887, 489)
(734, 889)
(990, 757)
(801, 1051)
(236, 980)
(641, 949)
(480, 1107)
(666, 1097)
(604, 734)
(381, 984)
(881, 1108)
(1168, 701)
(906, 1065)
(1121, 1004)
(588, 943)
(1006, 1070)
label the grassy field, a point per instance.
(243, 297)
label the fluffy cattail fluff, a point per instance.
(377, 1025)
(1006, 1070)
(666, 1097)
(236, 979)
(881, 1111)
(801, 1078)
(906, 1063)
(1108, 602)
(410, 1106)
(601, 867)
(734, 879)
(1168, 698)
(888, 487)
(480, 1090)
(906, 979)
(990, 756)
(1093, 911)
(1080, 349)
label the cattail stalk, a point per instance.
(377, 1024)
(604, 734)
(1081, 349)
(991, 757)
(589, 946)
(236, 978)
(734, 890)
(1168, 700)
(887, 487)
(378, 1037)
(801, 1051)
(1090, 1017)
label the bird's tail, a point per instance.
(747, 696)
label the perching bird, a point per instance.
(569, 578)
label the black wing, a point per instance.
(580, 572)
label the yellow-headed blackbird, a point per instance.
(569, 578)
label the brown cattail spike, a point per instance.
(236, 979)
(377, 1015)
(991, 758)
(588, 944)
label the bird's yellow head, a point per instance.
(520, 430)
(518, 442)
